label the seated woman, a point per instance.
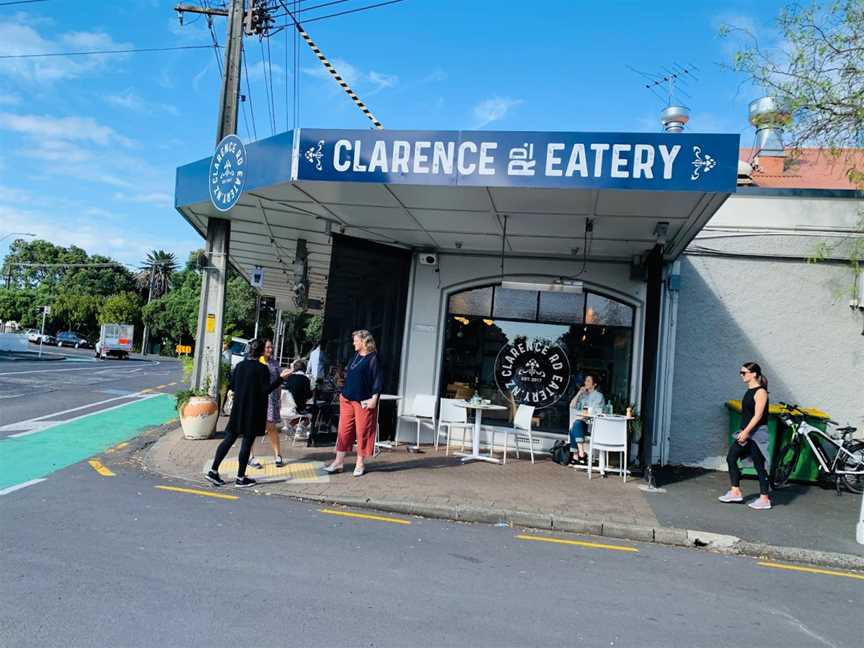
(587, 396)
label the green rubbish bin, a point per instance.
(807, 469)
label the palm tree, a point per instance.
(156, 271)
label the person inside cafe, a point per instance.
(588, 400)
(300, 388)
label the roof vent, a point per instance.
(769, 118)
(674, 118)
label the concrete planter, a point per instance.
(198, 417)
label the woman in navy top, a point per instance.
(358, 404)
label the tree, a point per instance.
(156, 272)
(122, 308)
(818, 75)
(76, 312)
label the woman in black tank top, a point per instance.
(752, 441)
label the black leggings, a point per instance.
(225, 446)
(751, 450)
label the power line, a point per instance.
(249, 91)
(267, 88)
(272, 89)
(17, 2)
(103, 52)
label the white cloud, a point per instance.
(131, 101)
(74, 129)
(369, 83)
(494, 109)
(160, 199)
(92, 234)
(9, 99)
(256, 72)
(19, 37)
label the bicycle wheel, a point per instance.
(854, 483)
(786, 461)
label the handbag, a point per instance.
(561, 452)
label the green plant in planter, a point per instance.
(184, 395)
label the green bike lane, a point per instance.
(35, 456)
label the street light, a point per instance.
(5, 236)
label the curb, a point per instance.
(669, 536)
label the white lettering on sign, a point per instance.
(425, 157)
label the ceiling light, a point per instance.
(559, 285)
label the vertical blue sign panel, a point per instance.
(644, 161)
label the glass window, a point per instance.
(561, 307)
(515, 304)
(606, 312)
(472, 302)
(473, 346)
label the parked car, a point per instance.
(48, 339)
(72, 339)
(238, 348)
(32, 335)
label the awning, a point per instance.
(458, 190)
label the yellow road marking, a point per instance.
(578, 543)
(120, 445)
(810, 570)
(99, 468)
(363, 516)
(195, 491)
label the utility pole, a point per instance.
(146, 334)
(208, 338)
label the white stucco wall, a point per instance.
(790, 316)
(428, 305)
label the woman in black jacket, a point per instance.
(251, 384)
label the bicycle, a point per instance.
(841, 458)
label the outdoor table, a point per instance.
(591, 416)
(475, 443)
(383, 444)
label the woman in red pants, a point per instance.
(358, 404)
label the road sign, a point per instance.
(211, 323)
(257, 277)
(183, 348)
(46, 310)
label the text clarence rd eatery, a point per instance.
(596, 160)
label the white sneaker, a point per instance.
(729, 497)
(759, 504)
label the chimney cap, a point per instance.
(767, 112)
(674, 118)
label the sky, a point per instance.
(89, 145)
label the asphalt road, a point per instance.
(116, 561)
(34, 393)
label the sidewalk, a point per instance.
(546, 495)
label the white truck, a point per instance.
(115, 340)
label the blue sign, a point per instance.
(645, 161)
(227, 175)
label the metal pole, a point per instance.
(208, 339)
(42, 332)
(146, 333)
(859, 530)
(257, 313)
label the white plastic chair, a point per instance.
(609, 434)
(521, 423)
(291, 417)
(423, 413)
(451, 417)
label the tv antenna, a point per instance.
(670, 81)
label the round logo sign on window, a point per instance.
(227, 173)
(532, 372)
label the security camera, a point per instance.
(428, 258)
